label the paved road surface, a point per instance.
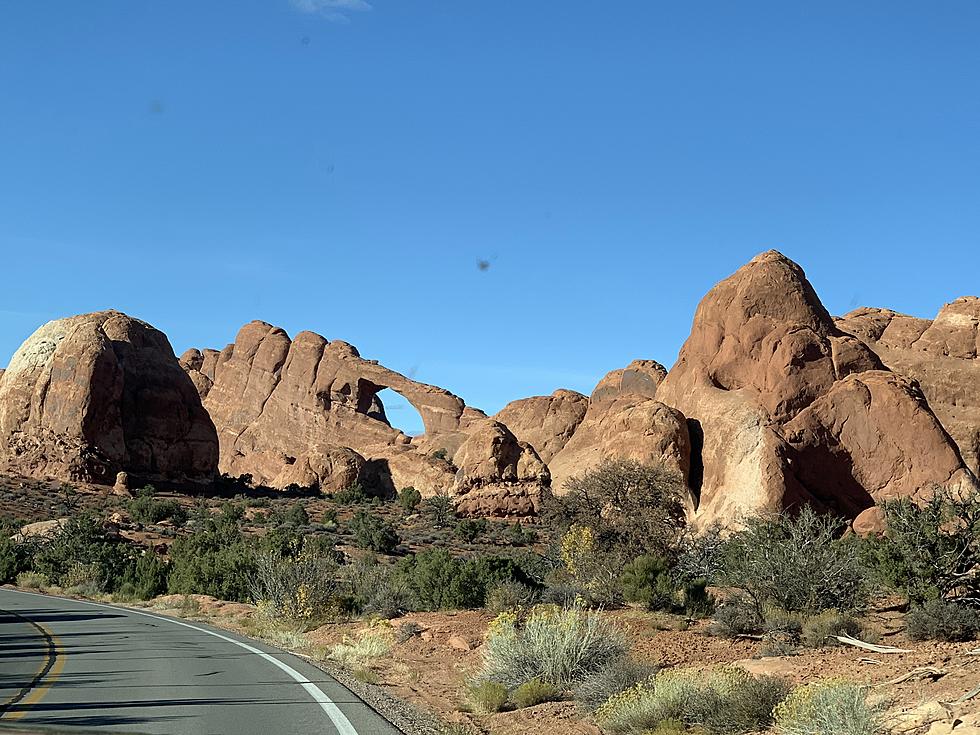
(69, 665)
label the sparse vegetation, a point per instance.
(800, 564)
(727, 701)
(828, 708)
(943, 620)
(562, 647)
(487, 697)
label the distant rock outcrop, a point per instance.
(92, 395)
(942, 355)
(545, 422)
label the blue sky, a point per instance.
(343, 167)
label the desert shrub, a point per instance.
(534, 692)
(146, 577)
(295, 515)
(82, 579)
(374, 533)
(700, 556)
(409, 499)
(828, 708)
(618, 676)
(647, 580)
(407, 631)
(216, 560)
(510, 596)
(440, 581)
(724, 701)
(301, 588)
(631, 508)
(470, 529)
(562, 647)
(147, 509)
(32, 580)
(376, 589)
(592, 574)
(486, 697)
(797, 564)
(13, 559)
(517, 535)
(373, 642)
(929, 550)
(351, 495)
(736, 616)
(439, 510)
(942, 620)
(81, 540)
(698, 602)
(819, 630)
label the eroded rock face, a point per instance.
(89, 396)
(287, 409)
(942, 355)
(545, 422)
(630, 427)
(497, 474)
(766, 380)
(870, 438)
(639, 378)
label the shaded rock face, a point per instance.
(545, 422)
(307, 411)
(942, 355)
(89, 396)
(780, 401)
(497, 474)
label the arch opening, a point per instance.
(395, 410)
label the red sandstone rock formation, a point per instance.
(89, 396)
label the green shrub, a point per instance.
(300, 588)
(148, 509)
(11, 560)
(943, 620)
(32, 580)
(352, 495)
(376, 589)
(819, 630)
(797, 564)
(647, 580)
(535, 692)
(296, 515)
(81, 540)
(487, 697)
(698, 602)
(439, 510)
(440, 581)
(724, 701)
(409, 499)
(618, 676)
(828, 708)
(374, 533)
(562, 647)
(631, 508)
(517, 535)
(217, 560)
(929, 551)
(510, 596)
(470, 529)
(146, 577)
(737, 616)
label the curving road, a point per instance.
(73, 665)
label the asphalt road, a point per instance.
(72, 665)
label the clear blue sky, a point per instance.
(343, 167)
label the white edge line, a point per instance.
(339, 719)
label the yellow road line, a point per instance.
(41, 681)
